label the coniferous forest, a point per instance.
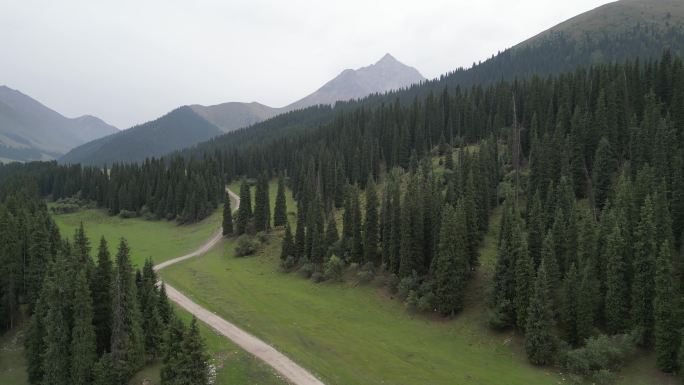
(93, 319)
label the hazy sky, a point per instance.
(129, 61)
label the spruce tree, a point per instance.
(245, 210)
(194, 366)
(666, 333)
(643, 289)
(288, 247)
(540, 341)
(102, 298)
(370, 227)
(227, 216)
(524, 280)
(331, 236)
(280, 210)
(152, 324)
(165, 309)
(56, 358)
(450, 268)
(127, 347)
(171, 370)
(617, 289)
(604, 167)
(262, 211)
(300, 232)
(83, 339)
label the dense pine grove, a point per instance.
(174, 188)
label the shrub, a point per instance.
(125, 214)
(288, 264)
(334, 268)
(499, 317)
(392, 281)
(426, 303)
(306, 270)
(246, 246)
(600, 358)
(406, 285)
(262, 237)
(366, 274)
(317, 277)
(411, 302)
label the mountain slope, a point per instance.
(614, 32)
(31, 131)
(624, 30)
(204, 122)
(233, 115)
(179, 128)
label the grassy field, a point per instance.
(351, 334)
(160, 240)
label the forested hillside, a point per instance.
(588, 166)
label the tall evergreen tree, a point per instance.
(644, 272)
(370, 227)
(102, 298)
(617, 289)
(83, 340)
(245, 210)
(227, 227)
(540, 341)
(288, 247)
(450, 268)
(666, 334)
(127, 346)
(280, 210)
(262, 210)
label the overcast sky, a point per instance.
(130, 61)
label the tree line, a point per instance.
(172, 189)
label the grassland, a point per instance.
(160, 240)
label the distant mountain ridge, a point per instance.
(31, 131)
(153, 138)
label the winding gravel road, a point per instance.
(294, 373)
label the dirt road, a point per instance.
(294, 373)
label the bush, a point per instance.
(288, 264)
(392, 281)
(317, 277)
(366, 274)
(499, 317)
(411, 303)
(600, 358)
(262, 237)
(334, 268)
(406, 285)
(306, 270)
(426, 303)
(246, 246)
(126, 214)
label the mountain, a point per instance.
(177, 129)
(386, 75)
(166, 134)
(233, 115)
(615, 32)
(31, 131)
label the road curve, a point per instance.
(294, 373)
